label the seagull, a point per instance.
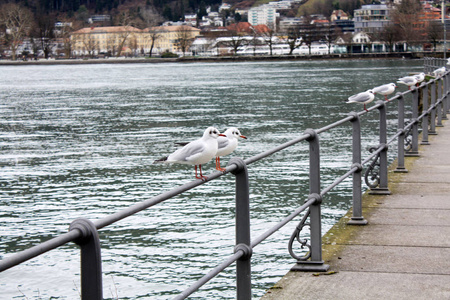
(439, 72)
(420, 77)
(385, 89)
(364, 97)
(197, 152)
(408, 80)
(227, 144)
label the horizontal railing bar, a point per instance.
(257, 157)
(158, 199)
(338, 180)
(286, 220)
(399, 133)
(375, 153)
(211, 274)
(37, 250)
(335, 124)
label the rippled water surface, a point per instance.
(80, 141)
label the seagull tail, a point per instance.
(160, 160)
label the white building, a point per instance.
(263, 14)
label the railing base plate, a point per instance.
(432, 133)
(401, 170)
(310, 266)
(357, 221)
(425, 143)
(380, 191)
(412, 154)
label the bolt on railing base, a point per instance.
(379, 191)
(310, 266)
(401, 170)
(357, 221)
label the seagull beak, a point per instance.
(242, 136)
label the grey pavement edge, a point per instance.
(404, 251)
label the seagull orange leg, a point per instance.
(204, 178)
(218, 164)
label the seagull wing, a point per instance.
(222, 143)
(188, 152)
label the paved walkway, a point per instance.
(404, 252)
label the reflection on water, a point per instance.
(80, 141)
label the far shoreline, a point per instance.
(397, 55)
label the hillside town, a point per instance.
(267, 29)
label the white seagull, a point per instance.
(439, 72)
(364, 97)
(197, 152)
(408, 80)
(385, 90)
(420, 77)
(227, 144)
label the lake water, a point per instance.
(80, 141)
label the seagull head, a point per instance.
(234, 132)
(212, 132)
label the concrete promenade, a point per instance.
(404, 251)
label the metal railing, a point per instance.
(435, 94)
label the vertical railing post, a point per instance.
(425, 118)
(382, 188)
(446, 90)
(414, 151)
(401, 138)
(439, 110)
(316, 263)
(243, 242)
(432, 130)
(444, 97)
(357, 217)
(91, 262)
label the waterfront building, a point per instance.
(286, 23)
(170, 38)
(264, 14)
(128, 40)
(371, 18)
(106, 40)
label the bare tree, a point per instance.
(405, 16)
(293, 38)
(152, 33)
(184, 38)
(17, 21)
(64, 32)
(90, 44)
(125, 22)
(235, 37)
(44, 32)
(329, 35)
(309, 33)
(269, 38)
(435, 32)
(389, 34)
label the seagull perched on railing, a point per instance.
(385, 90)
(439, 72)
(419, 77)
(197, 152)
(227, 144)
(408, 81)
(364, 97)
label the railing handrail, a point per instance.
(83, 231)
